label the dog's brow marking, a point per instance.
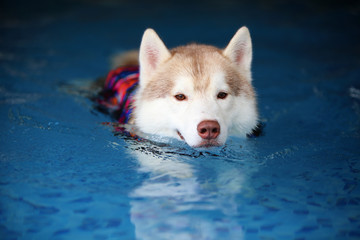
(237, 82)
(198, 67)
(158, 87)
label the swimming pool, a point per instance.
(65, 175)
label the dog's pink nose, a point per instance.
(208, 129)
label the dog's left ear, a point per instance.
(152, 53)
(239, 50)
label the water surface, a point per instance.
(65, 175)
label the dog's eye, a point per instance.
(222, 95)
(180, 97)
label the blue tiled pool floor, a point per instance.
(65, 175)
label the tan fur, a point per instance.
(124, 59)
(197, 61)
(129, 58)
(160, 87)
(238, 82)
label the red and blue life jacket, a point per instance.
(118, 93)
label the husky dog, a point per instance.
(196, 93)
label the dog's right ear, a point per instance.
(152, 53)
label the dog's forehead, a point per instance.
(198, 65)
(201, 83)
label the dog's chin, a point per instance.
(208, 144)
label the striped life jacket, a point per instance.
(117, 97)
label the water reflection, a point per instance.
(188, 194)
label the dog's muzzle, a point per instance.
(208, 130)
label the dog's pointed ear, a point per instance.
(239, 50)
(152, 53)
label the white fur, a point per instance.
(201, 106)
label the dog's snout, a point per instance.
(208, 129)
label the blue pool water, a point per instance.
(64, 175)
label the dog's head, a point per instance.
(196, 93)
